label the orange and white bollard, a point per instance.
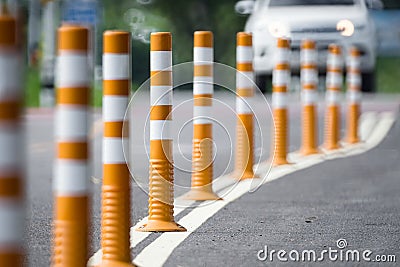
(71, 179)
(161, 180)
(280, 83)
(244, 159)
(202, 161)
(309, 98)
(334, 82)
(353, 95)
(12, 209)
(115, 218)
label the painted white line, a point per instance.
(164, 245)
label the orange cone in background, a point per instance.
(334, 81)
(280, 82)
(353, 95)
(115, 217)
(12, 184)
(309, 84)
(71, 165)
(202, 161)
(161, 180)
(244, 159)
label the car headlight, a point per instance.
(279, 29)
(345, 27)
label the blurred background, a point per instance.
(182, 18)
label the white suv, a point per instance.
(344, 22)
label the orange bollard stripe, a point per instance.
(163, 112)
(11, 186)
(244, 66)
(72, 150)
(10, 110)
(116, 129)
(203, 70)
(116, 87)
(201, 131)
(160, 78)
(203, 100)
(73, 96)
(71, 208)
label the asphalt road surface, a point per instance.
(353, 198)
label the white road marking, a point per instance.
(164, 245)
(373, 129)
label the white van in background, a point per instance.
(344, 22)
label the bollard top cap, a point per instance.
(335, 49)
(354, 51)
(116, 41)
(308, 44)
(160, 41)
(203, 39)
(283, 42)
(244, 39)
(73, 37)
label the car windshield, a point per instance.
(310, 2)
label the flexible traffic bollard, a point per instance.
(309, 85)
(71, 165)
(12, 209)
(280, 82)
(244, 159)
(115, 218)
(161, 180)
(334, 81)
(353, 95)
(202, 160)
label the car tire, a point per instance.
(368, 82)
(264, 82)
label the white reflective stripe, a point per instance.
(353, 79)
(11, 145)
(280, 77)
(309, 97)
(203, 88)
(160, 95)
(202, 114)
(10, 73)
(71, 123)
(116, 66)
(72, 70)
(354, 63)
(335, 61)
(113, 152)
(244, 54)
(70, 177)
(309, 76)
(114, 108)
(334, 79)
(244, 79)
(333, 97)
(12, 222)
(203, 54)
(354, 96)
(244, 105)
(203, 85)
(279, 100)
(308, 56)
(282, 56)
(160, 60)
(160, 130)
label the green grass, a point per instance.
(388, 75)
(32, 88)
